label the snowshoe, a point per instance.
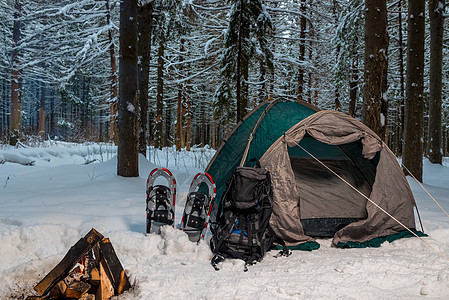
(160, 201)
(198, 207)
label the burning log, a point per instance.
(90, 270)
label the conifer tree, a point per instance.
(248, 33)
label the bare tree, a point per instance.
(127, 158)
(436, 10)
(16, 105)
(114, 87)
(145, 20)
(414, 104)
(375, 105)
(302, 51)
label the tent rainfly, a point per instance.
(295, 141)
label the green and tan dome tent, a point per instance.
(331, 175)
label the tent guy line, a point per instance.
(411, 174)
(375, 204)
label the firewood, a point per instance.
(123, 284)
(77, 289)
(58, 291)
(87, 297)
(62, 286)
(105, 289)
(114, 268)
(95, 276)
(68, 262)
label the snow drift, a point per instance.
(45, 208)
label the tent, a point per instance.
(293, 140)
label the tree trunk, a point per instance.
(401, 108)
(179, 132)
(159, 96)
(41, 126)
(145, 20)
(3, 108)
(245, 75)
(263, 87)
(242, 67)
(14, 124)
(114, 87)
(316, 91)
(188, 120)
(354, 81)
(168, 122)
(127, 158)
(337, 103)
(214, 132)
(85, 113)
(375, 105)
(414, 104)
(51, 123)
(436, 10)
(302, 51)
(183, 122)
(238, 88)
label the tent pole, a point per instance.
(419, 218)
(245, 154)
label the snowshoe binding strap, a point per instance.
(198, 207)
(160, 200)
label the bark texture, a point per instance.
(127, 155)
(375, 105)
(145, 20)
(14, 125)
(436, 10)
(114, 87)
(414, 104)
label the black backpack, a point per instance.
(241, 229)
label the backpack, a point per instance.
(241, 229)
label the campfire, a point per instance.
(89, 271)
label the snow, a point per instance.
(130, 107)
(382, 119)
(46, 208)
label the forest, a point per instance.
(200, 65)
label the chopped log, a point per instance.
(77, 289)
(68, 262)
(58, 291)
(87, 297)
(62, 287)
(105, 289)
(95, 277)
(114, 268)
(123, 284)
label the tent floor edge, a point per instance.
(307, 246)
(377, 242)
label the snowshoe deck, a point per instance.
(160, 201)
(198, 207)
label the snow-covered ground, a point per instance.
(45, 208)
